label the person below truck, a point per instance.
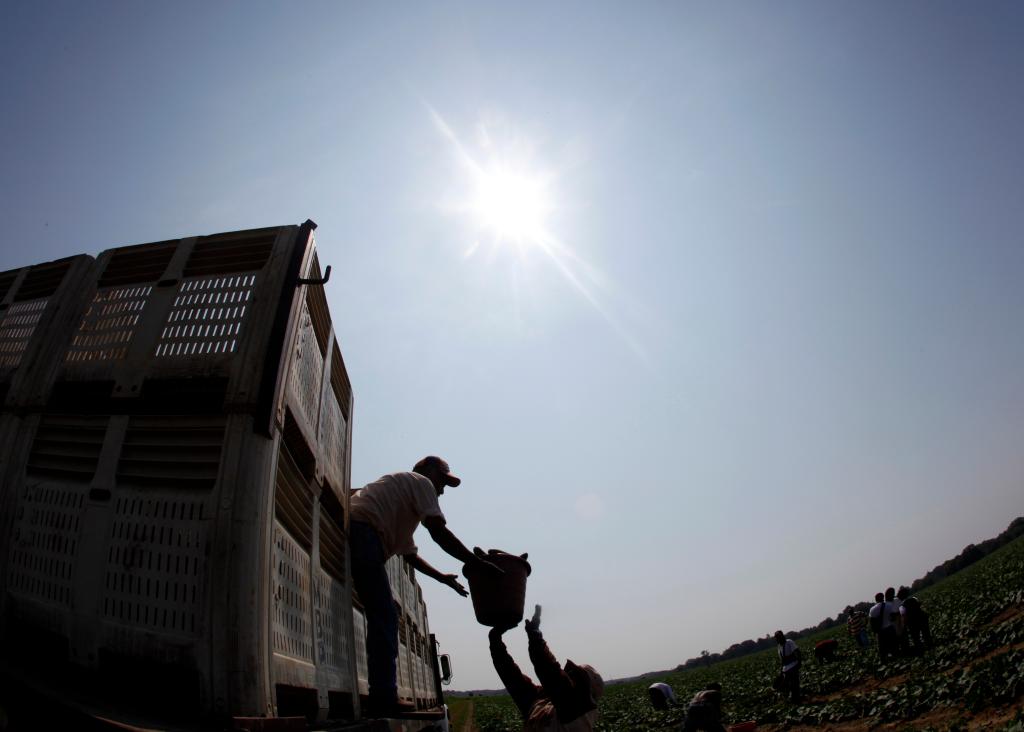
(705, 710)
(661, 695)
(565, 701)
(384, 515)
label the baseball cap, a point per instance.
(433, 461)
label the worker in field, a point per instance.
(857, 627)
(384, 515)
(880, 620)
(893, 603)
(915, 621)
(705, 710)
(789, 655)
(661, 695)
(566, 699)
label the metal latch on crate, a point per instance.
(315, 280)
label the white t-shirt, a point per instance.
(394, 505)
(788, 649)
(896, 608)
(883, 608)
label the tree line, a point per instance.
(970, 554)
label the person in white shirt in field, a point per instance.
(789, 655)
(881, 621)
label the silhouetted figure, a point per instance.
(825, 651)
(915, 621)
(566, 698)
(880, 620)
(893, 605)
(857, 627)
(705, 710)
(789, 655)
(661, 695)
(384, 515)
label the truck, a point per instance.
(175, 466)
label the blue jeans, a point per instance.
(370, 580)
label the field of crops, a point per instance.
(974, 672)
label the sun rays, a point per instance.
(506, 197)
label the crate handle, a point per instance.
(315, 280)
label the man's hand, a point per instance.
(533, 624)
(495, 633)
(481, 559)
(452, 580)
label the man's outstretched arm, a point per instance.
(552, 678)
(517, 684)
(422, 565)
(448, 541)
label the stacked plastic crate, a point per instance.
(176, 431)
(38, 312)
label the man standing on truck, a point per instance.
(384, 515)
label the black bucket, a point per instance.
(498, 599)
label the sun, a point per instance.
(512, 205)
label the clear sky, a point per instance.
(758, 353)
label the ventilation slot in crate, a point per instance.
(291, 617)
(44, 543)
(181, 452)
(333, 435)
(246, 251)
(359, 621)
(207, 316)
(339, 382)
(17, 325)
(109, 324)
(42, 280)
(316, 301)
(332, 540)
(330, 624)
(67, 447)
(138, 264)
(156, 564)
(293, 498)
(307, 370)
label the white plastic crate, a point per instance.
(175, 489)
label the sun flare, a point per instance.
(511, 205)
(507, 197)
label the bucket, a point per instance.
(498, 599)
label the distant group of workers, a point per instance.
(384, 516)
(897, 618)
(900, 623)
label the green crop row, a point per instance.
(977, 620)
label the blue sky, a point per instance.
(772, 362)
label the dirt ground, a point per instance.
(943, 718)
